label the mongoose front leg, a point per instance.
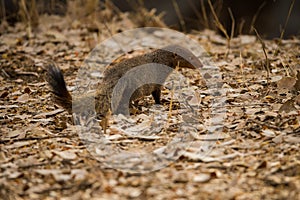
(156, 94)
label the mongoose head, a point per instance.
(183, 57)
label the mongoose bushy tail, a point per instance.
(61, 95)
(172, 56)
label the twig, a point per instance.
(171, 103)
(285, 24)
(3, 11)
(241, 26)
(81, 186)
(36, 165)
(197, 13)
(232, 23)
(255, 16)
(179, 15)
(4, 72)
(219, 24)
(27, 73)
(242, 69)
(253, 105)
(34, 138)
(265, 124)
(111, 35)
(111, 6)
(26, 16)
(267, 64)
(204, 14)
(286, 121)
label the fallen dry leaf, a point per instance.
(286, 82)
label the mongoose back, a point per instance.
(172, 56)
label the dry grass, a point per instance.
(267, 61)
(256, 16)
(285, 24)
(179, 15)
(144, 17)
(220, 25)
(78, 9)
(3, 11)
(29, 15)
(204, 14)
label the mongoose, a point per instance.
(172, 56)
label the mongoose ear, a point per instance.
(174, 55)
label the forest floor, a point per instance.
(255, 156)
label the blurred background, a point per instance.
(269, 17)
